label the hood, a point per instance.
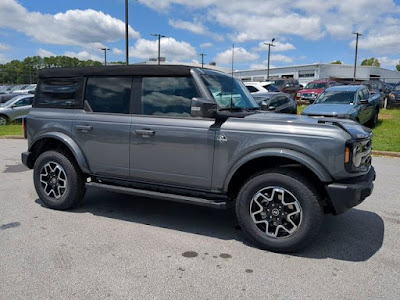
(315, 91)
(353, 128)
(328, 110)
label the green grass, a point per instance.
(11, 129)
(387, 132)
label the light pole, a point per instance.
(159, 45)
(269, 52)
(355, 60)
(202, 59)
(105, 55)
(126, 34)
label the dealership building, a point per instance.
(307, 73)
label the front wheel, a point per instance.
(58, 180)
(279, 210)
(3, 120)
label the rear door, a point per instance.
(102, 129)
(168, 146)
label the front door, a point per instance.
(168, 146)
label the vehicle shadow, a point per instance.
(354, 236)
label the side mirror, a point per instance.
(202, 107)
(263, 105)
(363, 101)
(13, 106)
(271, 108)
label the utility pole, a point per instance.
(159, 45)
(202, 59)
(126, 34)
(105, 55)
(355, 60)
(269, 52)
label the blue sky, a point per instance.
(305, 31)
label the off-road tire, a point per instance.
(305, 193)
(74, 192)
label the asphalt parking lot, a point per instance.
(121, 247)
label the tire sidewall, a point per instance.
(74, 180)
(311, 212)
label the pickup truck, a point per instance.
(348, 101)
(197, 136)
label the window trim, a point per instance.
(140, 105)
(80, 81)
(130, 111)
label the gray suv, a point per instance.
(195, 136)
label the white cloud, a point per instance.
(74, 27)
(117, 51)
(240, 55)
(281, 58)
(83, 55)
(3, 59)
(172, 49)
(195, 27)
(44, 53)
(278, 47)
(206, 45)
(4, 47)
(388, 63)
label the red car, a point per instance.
(313, 89)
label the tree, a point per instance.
(398, 67)
(336, 62)
(27, 70)
(371, 62)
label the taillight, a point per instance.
(24, 127)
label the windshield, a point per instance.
(229, 92)
(336, 97)
(397, 88)
(313, 85)
(8, 103)
(271, 88)
(278, 82)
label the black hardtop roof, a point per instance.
(120, 70)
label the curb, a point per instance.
(12, 137)
(386, 153)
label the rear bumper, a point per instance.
(345, 195)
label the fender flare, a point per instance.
(70, 143)
(301, 158)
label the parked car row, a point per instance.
(16, 108)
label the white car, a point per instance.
(26, 90)
(261, 87)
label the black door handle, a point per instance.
(145, 132)
(84, 127)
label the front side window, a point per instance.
(228, 92)
(60, 92)
(108, 94)
(168, 96)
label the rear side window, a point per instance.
(251, 89)
(108, 94)
(170, 96)
(60, 93)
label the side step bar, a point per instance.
(158, 195)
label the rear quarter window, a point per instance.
(59, 93)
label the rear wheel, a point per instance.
(58, 180)
(3, 120)
(279, 210)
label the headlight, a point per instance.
(392, 96)
(358, 155)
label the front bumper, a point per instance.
(345, 195)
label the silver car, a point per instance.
(15, 108)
